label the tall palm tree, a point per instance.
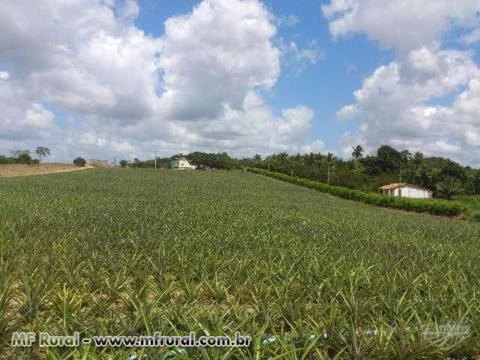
(357, 152)
(405, 156)
(330, 161)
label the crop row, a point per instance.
(432, 206)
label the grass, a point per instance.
(122, 252)
(471, 202)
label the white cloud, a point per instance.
(296, 59)
(287, 21)
(348, 112)
(207, 67)
(402, 25)
(4, 75)
(38, 117)
(199, 86)
(393, 104)
(408, 102)
(472, 37)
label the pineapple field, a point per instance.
(305, 274)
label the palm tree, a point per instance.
(405, 156)
(330, 161)
(357, 152)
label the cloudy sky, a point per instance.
(125, 78)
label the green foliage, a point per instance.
(123, 163)
(42, 151)
(134, 252)
(7, 160)
(449, 187)
(24, 158)
(357, 152)
(436, 207)
(200, 159)
(389, 159)
(216, 161)
(79, 161)
(476, 182)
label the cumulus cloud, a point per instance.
(472, 37)
(394, 104)
(207, 68)
(402, 25)
(427, 98)
(199, 86)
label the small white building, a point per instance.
(405, 190)
(181, 164)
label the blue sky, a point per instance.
(127, 78)
(325, 86)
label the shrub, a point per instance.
(24, 158)
(432, 206)
(79, 161)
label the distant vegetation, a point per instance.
(79, 161)
(25, 156)
(446, 178)
(436, 207)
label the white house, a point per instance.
(181, 164)
(405, 190)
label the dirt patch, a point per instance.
(47, 168)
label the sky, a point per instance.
(126, 79)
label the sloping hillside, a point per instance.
(131, 252)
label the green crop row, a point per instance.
(432, 206)
(309, 276)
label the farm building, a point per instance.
(405, 190)
(181, 164)
(98, 163)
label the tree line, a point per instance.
(25, 156)
(386, 165)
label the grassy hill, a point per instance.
(131, 252)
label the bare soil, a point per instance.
(46, 168)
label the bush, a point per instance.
(24, 158)
(79, 161)
(436, 207)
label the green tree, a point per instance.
(330, 161)
(123, 163)
(23, 157)
(357, 152)
(390, 160)
(257, 159)
(405, 157)
(79, 161)
(42, 151)
(418, 159)
(476, 183)
(449, 187)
